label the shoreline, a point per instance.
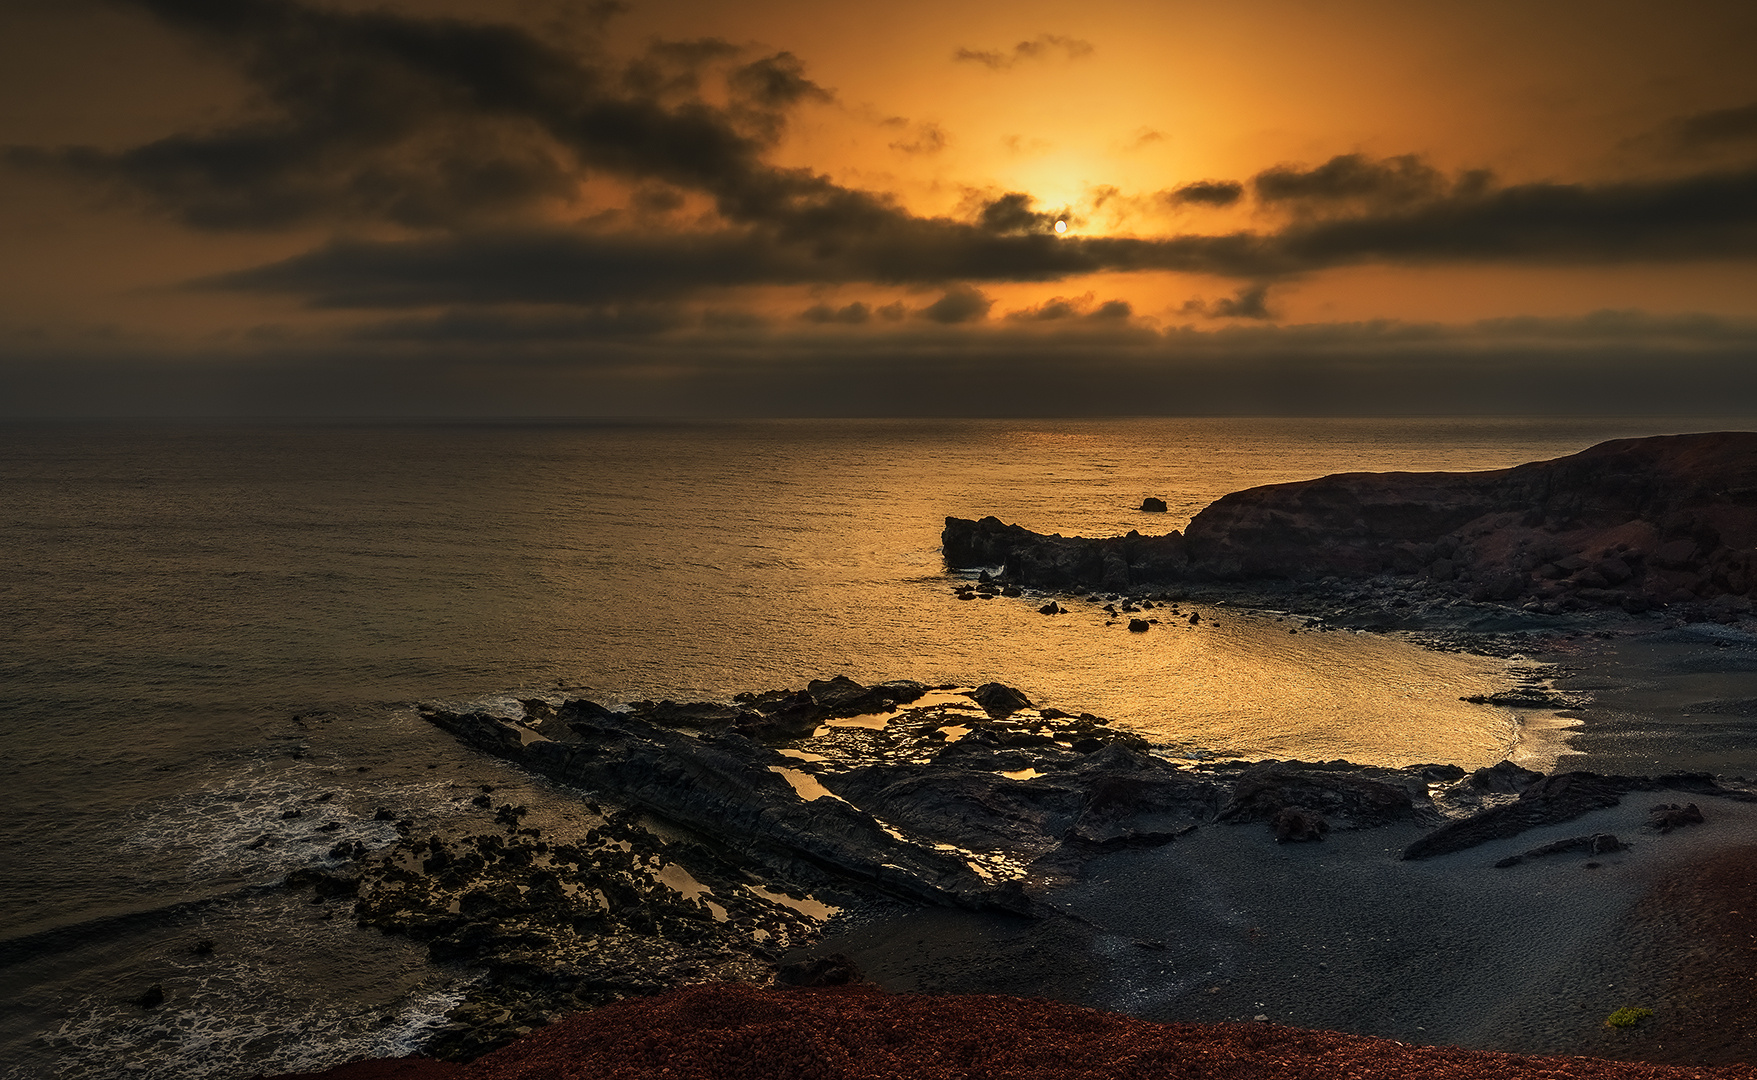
(1068, 924)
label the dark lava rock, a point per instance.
(324, 885)
(779, 716)
(1504, 777)
(1151, 505)
(1555, 799)
(1264, 791)
(1137, 626)
(1596, 844)
(1439, 774)
(1051, 608)
(845, 697)
(1294, 823)
(151, 999)
(1631, 524)
(725, 786)
(998, 699)
(1668, 816)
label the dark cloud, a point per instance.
(1711, 215)
(1608, 363)
(1062, 309)
(1250, 302)
(848, 237)
(1718, 127)
(852, 314)
(777, 82)
(476, 328)
(927, 138)
(960, 304)
(1012, 213)
(1206, 193)
(1352, 176)
(1037, 48)
(464, 128)
(440, 122)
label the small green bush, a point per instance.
(1627, 1016)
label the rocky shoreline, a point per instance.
(728, 833)
(1635, 525)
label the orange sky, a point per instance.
(698, 206)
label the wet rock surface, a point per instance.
(728, 831)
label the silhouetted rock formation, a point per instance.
(1631, 523)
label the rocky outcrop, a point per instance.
(1632, 523)
(1552, 800)
(728, 787)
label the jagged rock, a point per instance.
(1630, 523)
(1051, 608)
(1264, 791)
(999, 700)
(723, 784)
(1137, 626)
(1668, 816)
(324, 885)
(1152, 505)
(1555, 799)
(1297, 824)
(779, 716)
(1439, 774)
(1503, 777)
(845, 697)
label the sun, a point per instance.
(1061, 227)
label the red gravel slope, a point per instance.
(735, 1031)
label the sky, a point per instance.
(779, 208)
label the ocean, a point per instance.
(203, 625)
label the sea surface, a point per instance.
(204, 626)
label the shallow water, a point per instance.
(175, 594)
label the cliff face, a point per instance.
(1633, 522)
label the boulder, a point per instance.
(998, 699)
(1297, 824)
(1264, 791)
(1668, 816)
(1152, 505)
(1503, 777)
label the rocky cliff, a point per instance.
(1632, 523)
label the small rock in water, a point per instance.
(998, 699)
(1051, 608)
(1137, 626)
(1152, 505)
(152, 999)
(1195, 618)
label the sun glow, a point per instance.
(1061, 227)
